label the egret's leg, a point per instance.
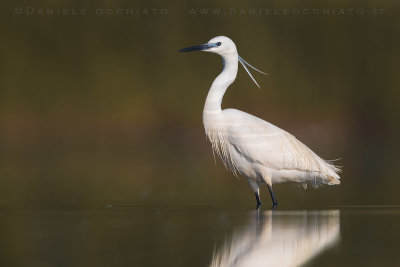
(274, 201)
(258, 199)
(253, 184)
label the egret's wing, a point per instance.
(264, 143)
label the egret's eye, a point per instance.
(219, 43)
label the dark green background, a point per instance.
(102, 109)
(103, 156)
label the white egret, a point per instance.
(252, 147)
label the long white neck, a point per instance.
(220, 84)
(213, 125)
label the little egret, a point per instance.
(252, 147)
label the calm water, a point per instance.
(103, 109)
(199, 236)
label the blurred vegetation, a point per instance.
(99, 109)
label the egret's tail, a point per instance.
(333, 173)
(330, 174)
(333, 180)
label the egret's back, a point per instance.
(243, 139)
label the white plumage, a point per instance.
(279, 238)
(250, 146)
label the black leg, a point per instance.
(274, 201)
(258, 200)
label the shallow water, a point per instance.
(200, 235)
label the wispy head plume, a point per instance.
(244, 63)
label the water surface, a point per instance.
(200, 235)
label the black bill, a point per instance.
(198, 47)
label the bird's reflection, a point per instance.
(279, 238)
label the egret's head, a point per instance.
(221, 45)
(225, 47)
